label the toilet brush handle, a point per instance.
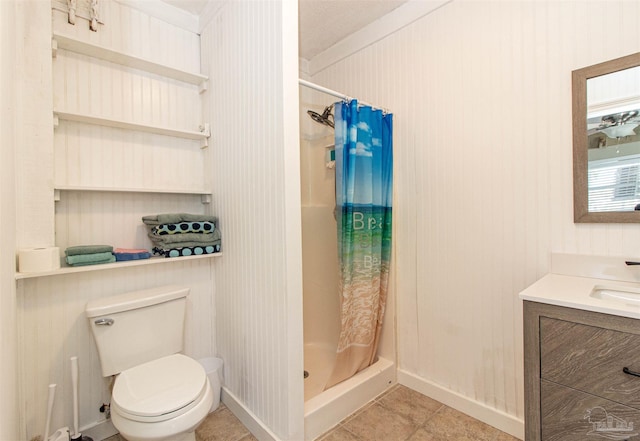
(52, 394)
(74, 381)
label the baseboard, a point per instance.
(247, 418)
(500, 420)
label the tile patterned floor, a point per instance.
(400, 414)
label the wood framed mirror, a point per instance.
(606, 141)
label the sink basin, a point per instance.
(623, 294)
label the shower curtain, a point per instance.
(364, 175)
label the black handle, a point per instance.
(626, 370)
(629, 262)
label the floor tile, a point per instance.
(505, 437)
(340, 434)
(410, 404)
(378, 424)
(449, 424)
(221, 425)
(423, 435)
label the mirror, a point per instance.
(606, 141)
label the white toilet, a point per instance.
(158, 394)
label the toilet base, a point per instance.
(189, 436)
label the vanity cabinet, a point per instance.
(582, 374)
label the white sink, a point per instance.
(627, 295)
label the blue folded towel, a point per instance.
(122, 254)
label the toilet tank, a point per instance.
(133, 328)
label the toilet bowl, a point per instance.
(158, 393)
(163, 399)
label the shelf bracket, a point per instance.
(205, 129)
(56, 195)
(203, 87)
(54, 48)
(205, 198)
(56, 121)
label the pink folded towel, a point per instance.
(127, 251)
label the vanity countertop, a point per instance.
(574, 292)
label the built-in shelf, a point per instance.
(82, 47)
(201, 135)
(204, 195)
(115, 265)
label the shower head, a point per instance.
(326, 118)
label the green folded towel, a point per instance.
(174, 218)
(185, 237)
(110, 260)
(90, 259)
(87, 249)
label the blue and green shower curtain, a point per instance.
(364, 176)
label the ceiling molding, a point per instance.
(165, 12)
(303, 67)
(397, 19)
(210, 11)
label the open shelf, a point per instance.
(81, 47)
(204, 195)
(202, 135)
(115, 265)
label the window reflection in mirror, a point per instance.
(613, 127)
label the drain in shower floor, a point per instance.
(306, 374)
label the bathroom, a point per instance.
(481, 97)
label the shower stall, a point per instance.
(321, 305)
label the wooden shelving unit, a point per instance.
(202, 135)
(60, 41)
(115, 265)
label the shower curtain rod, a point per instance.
(323, 89)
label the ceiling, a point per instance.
(322, 22)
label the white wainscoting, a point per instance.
(253, 101)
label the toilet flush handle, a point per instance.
(104, 322)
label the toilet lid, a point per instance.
(160, 386)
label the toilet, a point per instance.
(158, 393)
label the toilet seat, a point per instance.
(159, 390)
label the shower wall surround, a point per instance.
(481, 96)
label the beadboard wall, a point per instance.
(50, 310)
(481, 96)
(9, 414)
(253, 103)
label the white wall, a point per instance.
(9, 415)
(250, 51)
(481, 96)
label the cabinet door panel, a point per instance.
(591, 359)
(571, 415)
